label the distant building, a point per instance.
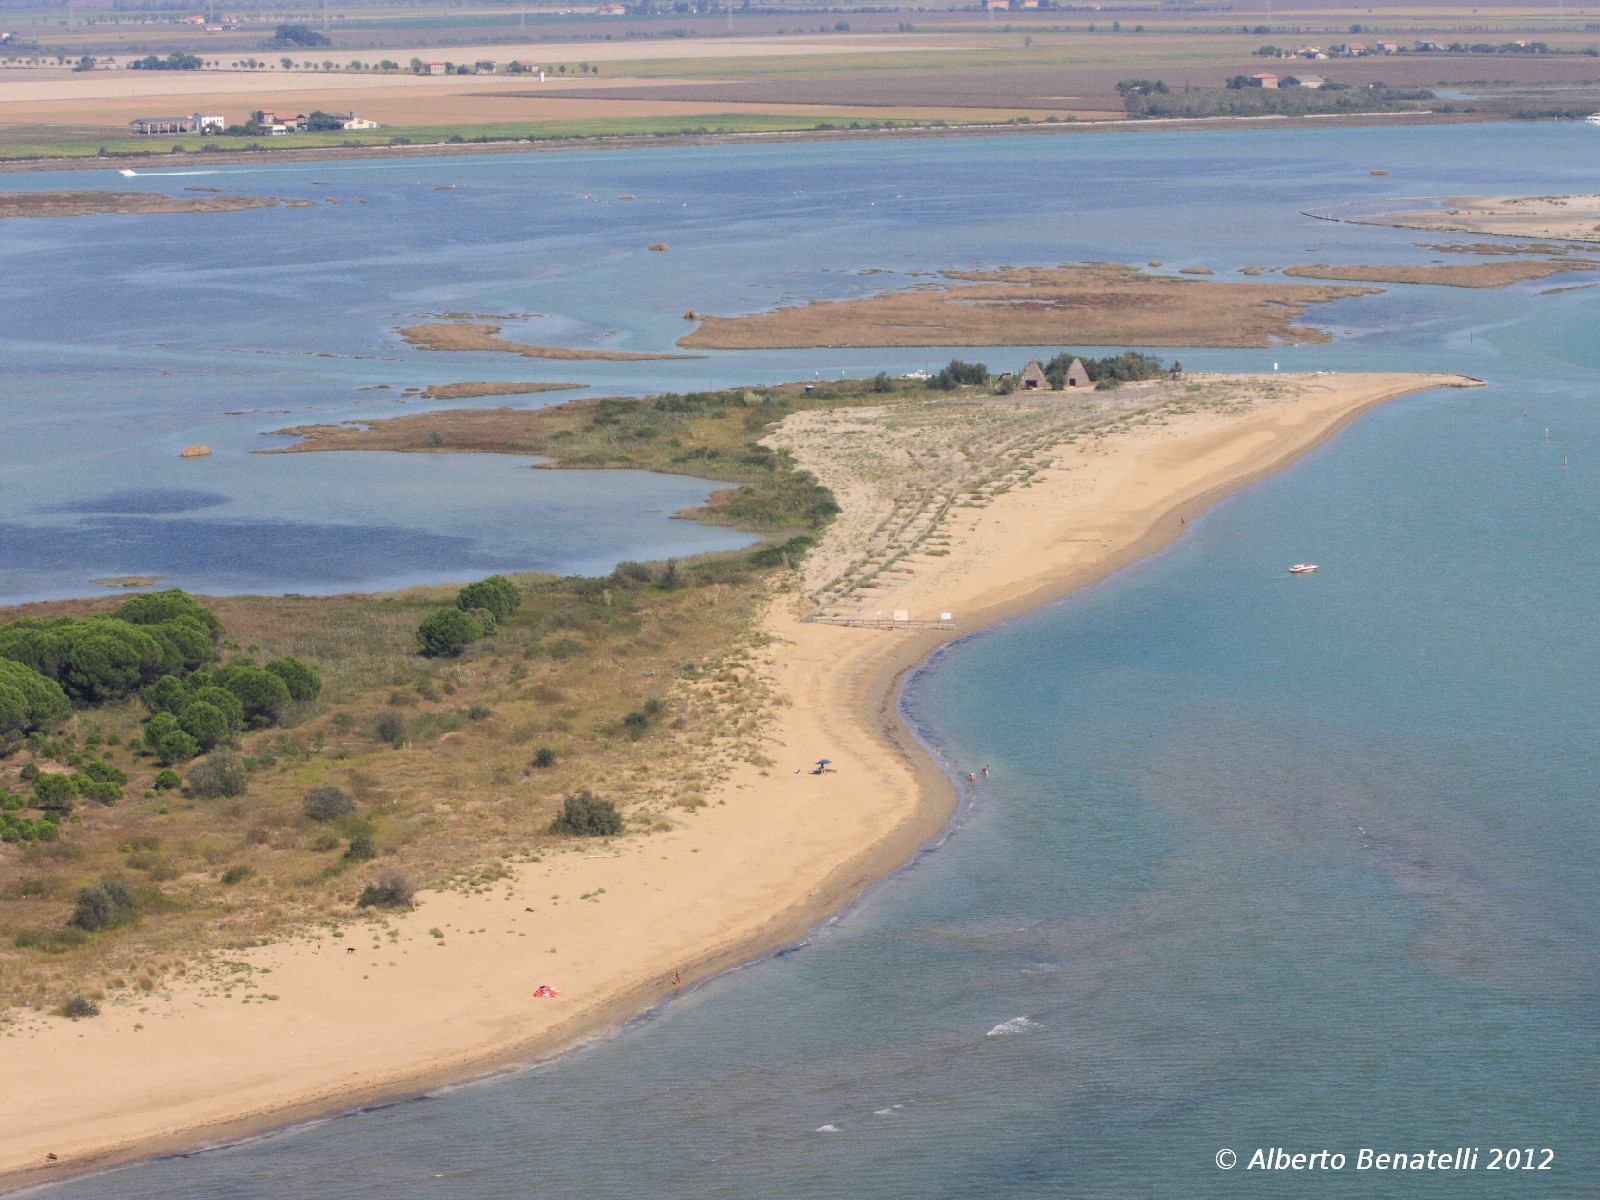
(1305, 81)
(349, 120)
(1264, 79)
(193, 123)
(1033, 379)
(1077, 376)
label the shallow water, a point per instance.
(1262, 861)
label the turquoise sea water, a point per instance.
(1262, 861)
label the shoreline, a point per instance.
(113, 162)
(1135, 488)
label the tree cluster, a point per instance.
(93, 660)
(1127, 367)
(955, 373)
(477, 613)
(208, 708)
(286, 36)
(176, 61)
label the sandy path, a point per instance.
(775, 850)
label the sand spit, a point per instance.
(1571, 218)
(472, 335)
(1469, 275)
(83, 204)
(1084, 304)
(462, 391)
(262, 1036)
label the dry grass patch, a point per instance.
(1085, 304)
(1470, 275)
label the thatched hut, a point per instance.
(1077, 376)
(1033, 379)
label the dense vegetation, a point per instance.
(176, 61)
(1127, 367)
(1238, 100)
(285, 37)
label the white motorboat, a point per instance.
(1302, 568)
(1593, 118)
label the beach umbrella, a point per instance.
(822, 762)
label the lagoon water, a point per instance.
(1262, 861)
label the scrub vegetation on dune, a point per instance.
(402, 771)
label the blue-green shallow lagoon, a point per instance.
(1262, 861)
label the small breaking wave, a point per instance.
(1015, 1025)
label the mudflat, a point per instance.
(84, 204)
(473, 335)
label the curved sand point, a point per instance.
(776, 850)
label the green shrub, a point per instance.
(544, 757)
(220, 774)
(496, 594)
(237, 874)
(221, 699)
(54, 793)
(206, 724)
(479, 712)
(29, 700)
(103, 905)
(393, 889)
(165, 695)
(104, 791)
(586, 815)
(302, 679)
(78, 1006)
(176, 747)
(166, 780)
(263, 695)
(391, 727)
(361, 848)
(446, 632)
(327, 802)
(103, 771)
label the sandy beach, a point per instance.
(264, 1036)
(1569, 218)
